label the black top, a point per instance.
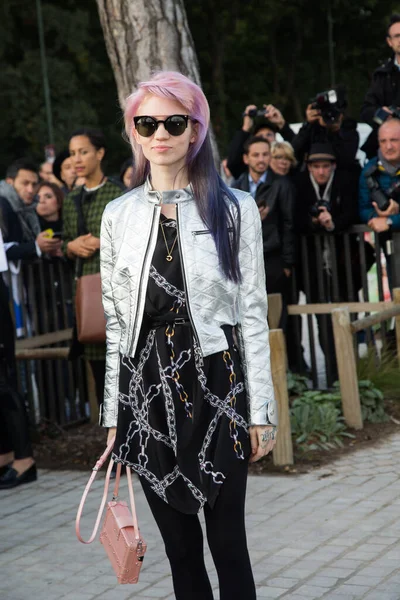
(56, 226)
(12, 232)
(278, 194)
(182, 418)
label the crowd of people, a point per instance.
(311, 182)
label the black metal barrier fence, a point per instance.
(334, 267)
(331, 268)
(41, 301)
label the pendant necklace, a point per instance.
(169, 256)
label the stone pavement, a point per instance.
(332, 533)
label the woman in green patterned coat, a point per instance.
(82, 240)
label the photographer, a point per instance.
(383, 97)
(271, 122)
(326, 124)
(379, 195)
(326, 203)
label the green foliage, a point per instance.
(372, 403)
(297, 384)
(317, 422)
(382, 371)
(268, 51)
(81, 81)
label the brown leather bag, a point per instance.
(90, 319)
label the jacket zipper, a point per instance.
(145, 269)
(184, 278)
(202, 232)
(206, 231)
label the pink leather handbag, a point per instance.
(120, 534)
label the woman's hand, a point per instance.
(111, 433)
(83, 246)
(263, 440)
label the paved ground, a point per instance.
(333, 534)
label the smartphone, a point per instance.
(58, 235)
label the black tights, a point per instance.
(226, 535)
(99, 374)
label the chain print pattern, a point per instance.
(170, 289)
(237, 446)
(175, 375)
(164, 391)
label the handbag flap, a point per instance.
(122, 518)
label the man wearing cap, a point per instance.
(326, 203)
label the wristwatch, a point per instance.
(389, 221)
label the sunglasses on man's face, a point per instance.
(174, 125)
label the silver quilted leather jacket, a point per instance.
(128, 237)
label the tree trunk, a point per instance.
(144, 36)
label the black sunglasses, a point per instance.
(147, 126)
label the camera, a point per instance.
(329, 105)
(381, 198)
(382, 115)
(255, 112)
(315, 209)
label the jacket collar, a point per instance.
(169, 197)
(387, 67)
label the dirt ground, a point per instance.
(79, 447)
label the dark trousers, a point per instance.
(277, 282)
(325, 331)
(14, 426)
(226, 535)
(99, 374)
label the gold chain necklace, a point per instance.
(169, 256)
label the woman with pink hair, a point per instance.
(188, 391)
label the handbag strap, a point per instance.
(95, 470)
(81, 227)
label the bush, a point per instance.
(372, 403)
(316, 416)
(382, 371)
(317, 422)
(297, 384)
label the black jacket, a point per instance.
(344, 211)
(383, 91)
(12, 232)
(344, 142)
(344, 203)
(235, 153)
(278, 194)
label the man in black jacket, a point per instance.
(20, 223)
(326, 203)
(384, 91)
(275, 198)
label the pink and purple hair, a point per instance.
(213, 198)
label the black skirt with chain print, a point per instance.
(182, 418)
